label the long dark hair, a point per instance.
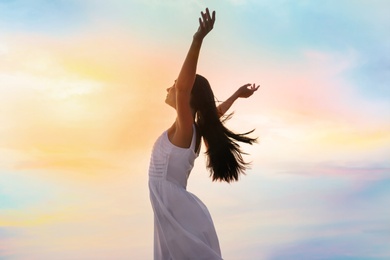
(224, 156)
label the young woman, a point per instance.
(183, 226)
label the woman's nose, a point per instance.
(168, 89)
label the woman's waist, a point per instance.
(182, 181)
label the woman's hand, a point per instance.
(243, 92)
(247, 90)
(206, 24)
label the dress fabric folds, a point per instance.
(183, 228)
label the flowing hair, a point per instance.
(224, 156)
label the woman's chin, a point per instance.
(170, 104)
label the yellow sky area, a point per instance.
(355, 140)
(77, 104)
(71, 132)
(15, 218)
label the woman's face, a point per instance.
(171, 96)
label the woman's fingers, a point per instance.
(254, 88)
(247, 90)
(207, 20)
(206, 24)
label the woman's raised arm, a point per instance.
(186, 79)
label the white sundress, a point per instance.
(183, 228)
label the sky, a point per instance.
(82, 90)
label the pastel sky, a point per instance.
(82, 89)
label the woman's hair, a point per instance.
(224, 156)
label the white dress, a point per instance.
(183, 228)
